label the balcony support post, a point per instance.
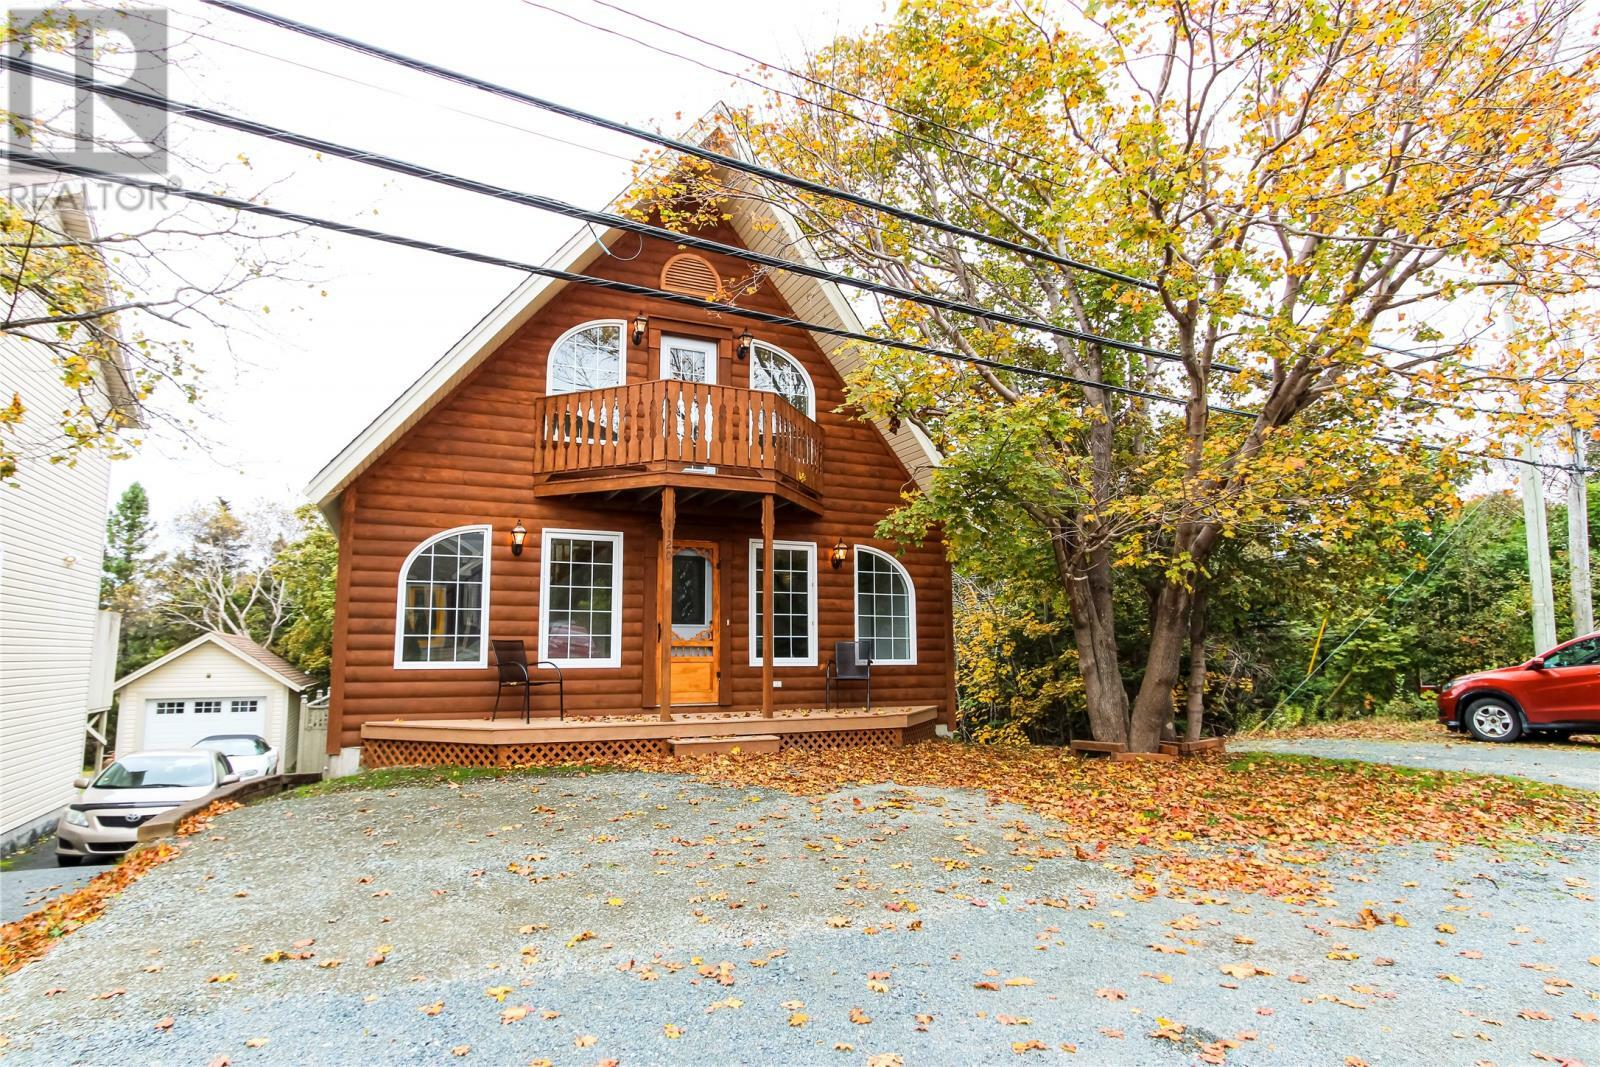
(767, 599)
(669, 518)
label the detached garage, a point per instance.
(216, 684)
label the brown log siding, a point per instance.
(469, 461)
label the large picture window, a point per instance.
(581, 598)
(886, 607)
(444, 601)
(590, 356)
(775, 371)
(794, 604)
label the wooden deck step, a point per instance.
(717, 746)
(1097, 748)
(1194, 748)
(1140, 757)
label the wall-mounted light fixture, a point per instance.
(640, 325)
(747, 345)
(519, 534)
(841, 552)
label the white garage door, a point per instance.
(180, 723)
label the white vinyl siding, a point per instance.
(206, 674)
(52, 541)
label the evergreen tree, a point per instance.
(128, 534)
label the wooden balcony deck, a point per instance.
(685, 434)
(510, 742)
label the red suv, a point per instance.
(1557, 693)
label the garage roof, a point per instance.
(258, 656)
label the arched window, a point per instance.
(590, 356)
(443, 606)
(886, 607)
(773, 370)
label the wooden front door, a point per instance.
(697, 632)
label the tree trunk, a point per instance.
(1094, 631)
(1195, 714)
(1169, 631)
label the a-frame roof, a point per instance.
(760, 227)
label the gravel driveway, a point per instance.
(1577, 766)
(656, 919)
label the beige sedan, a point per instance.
(105, 820)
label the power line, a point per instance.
(26, 159)
(233, 203)
(797, 97)
(561, 207)
(911, 116)
(674, 144)
(191, 32)
(688, 147)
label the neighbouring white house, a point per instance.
(57, 648)
(221, 684)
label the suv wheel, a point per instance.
(1493, 720)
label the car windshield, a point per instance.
(234, 746)
(154, 772)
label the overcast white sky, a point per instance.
(289, 383)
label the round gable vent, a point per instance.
(691, 275)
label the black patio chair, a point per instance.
(851, 662)
(511, 659)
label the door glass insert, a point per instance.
(691, 594)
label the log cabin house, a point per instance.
(608, 478)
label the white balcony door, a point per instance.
(690, 359)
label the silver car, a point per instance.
(248, 754)
(105, 820)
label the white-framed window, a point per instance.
(794, 603)
(245, 707)
(592, 355)
(580, 598)
(169, 707)
(442, 609)
(773, 370)
(886, 607)
(208, 707)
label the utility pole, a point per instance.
(1539, 580)
(1578, 538)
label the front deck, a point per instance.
(545, 742)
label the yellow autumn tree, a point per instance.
(1296, 190)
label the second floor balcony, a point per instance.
(678, 433)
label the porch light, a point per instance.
(840, 554)
(519, 534)
(747, 345)
(640, 325)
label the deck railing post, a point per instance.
(767, 523)
(669, 518)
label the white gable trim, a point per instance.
(491, 331)
(209, 639)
